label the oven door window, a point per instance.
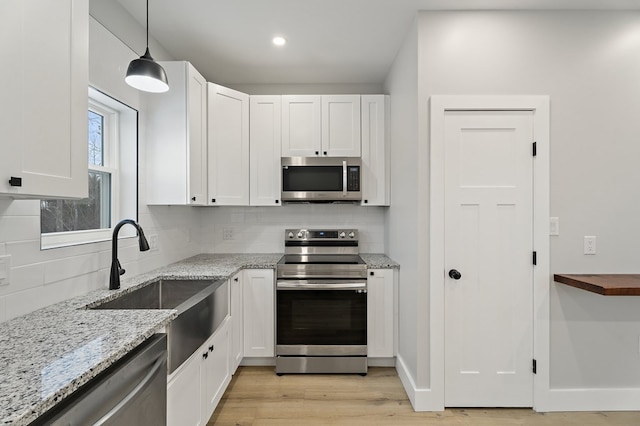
(312, 178)
(321, 317)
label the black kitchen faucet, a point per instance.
(116, 269)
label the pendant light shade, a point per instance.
(145, 73)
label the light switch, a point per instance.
(554, 226)
(5, 269)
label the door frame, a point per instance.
(539, 105)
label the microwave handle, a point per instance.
(344, 178)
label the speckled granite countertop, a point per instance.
(378, 261)
(48, 354)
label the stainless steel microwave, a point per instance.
(321, 179)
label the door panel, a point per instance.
(488, 238)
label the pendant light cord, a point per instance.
(147, 23)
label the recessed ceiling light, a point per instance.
(279, 41)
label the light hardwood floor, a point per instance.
(257, 396)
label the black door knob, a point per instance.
(453, 273)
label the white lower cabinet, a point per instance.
(381, 313)
(195, 388)
(258, 303)
(184, 405)
(215, 372)
(236, 310)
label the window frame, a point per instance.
(112, 111)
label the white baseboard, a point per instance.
(246, 361)
(590, 400)
(381, 362)
(422, 399)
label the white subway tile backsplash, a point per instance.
(263, 228)
(3, 309)
(61, 269)
(24, 277)
(19, 228)
(29, 300)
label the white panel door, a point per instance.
(197, 137)
(236, 336)
(376, 150)
(265, 145)
(43, 114)
(258, 295)
(488, 240)
(215, 374)
(228, 147)
(380, 313)
(341, 126)
(301, 126)
(184, 401)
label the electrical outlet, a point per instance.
(5, 269)
(554, 226)
(589, 245)
(153, 242)
(227, 234)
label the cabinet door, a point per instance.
(184, 402)
(258, 307)
(197, 137)
(341, 125)
(380, 313)
(375, 150)
(216, 374)
(176, 129)
(236, 321)
(44, 47)
(265, 146)
(228, 147)
(301, 126)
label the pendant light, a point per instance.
(145, 73)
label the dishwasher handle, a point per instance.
(134, 392)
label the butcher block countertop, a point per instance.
(604, 284)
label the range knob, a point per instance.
(300, 234)
(352, 234)
(342, 234)
(290, 235)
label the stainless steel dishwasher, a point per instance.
(131, 392)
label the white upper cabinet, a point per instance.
(341, 125)
(375, 150)
(327, 125)
(265, 142)
(228, 147)
(44, 80)
(301, 126)
(176, 148)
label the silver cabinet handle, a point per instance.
(292, 285)
(344, 178)
(134, 392)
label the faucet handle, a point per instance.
(121, 270)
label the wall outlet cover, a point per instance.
(589, 244)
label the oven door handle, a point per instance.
(293, 285)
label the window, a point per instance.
(112, 179)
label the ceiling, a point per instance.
(329, 41)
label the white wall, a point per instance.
(261, 229)
(42, 277)
(589, 65)
(402, 218)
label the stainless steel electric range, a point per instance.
(321, 303)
